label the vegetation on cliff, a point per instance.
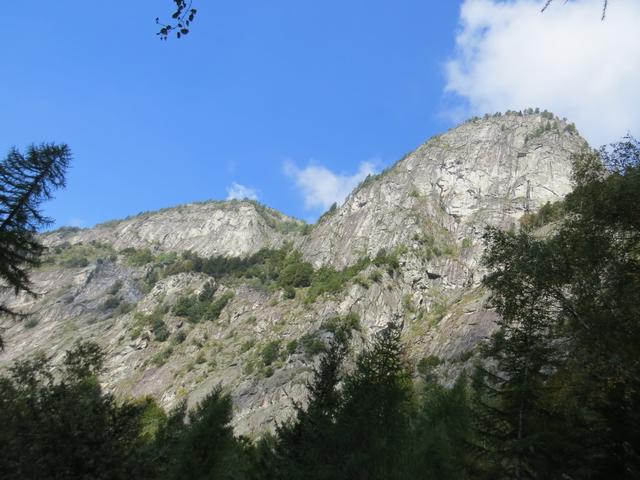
(556, 394)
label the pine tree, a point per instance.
(206, 446)
(25, 182)
(66, 427)
(305, 446)
(441, 435)
(373, 422)
(360, 430)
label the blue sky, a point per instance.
(292, 101)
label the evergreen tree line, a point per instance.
(368, 421)
(555, 395)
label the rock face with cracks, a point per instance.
(429, 210)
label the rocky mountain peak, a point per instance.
(404, 248)
(232, 228)
(485, 172)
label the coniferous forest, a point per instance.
(555, 393)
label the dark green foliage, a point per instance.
(202, 307)
(84, 360)
(328, 280)
(138, 258)
(292, 346)
(304, 448)
(426, 365)
(248, 344)
(154, 322)
(556, 396)
(548, 213)
(571, 128)
(564, 396)
(372, 428)
(542, 129)
(374, 417)
(25, 182)
(360, 431)
(187, 307)
(75, 261)
(123, 308)
(296, 272)
(342, 327)
(312, 345)
(546, 114)
(389, 260)
(115, 288)
(204, 446)
(292, 227)
(199, 444)
(270, 352)
(179, 337)
(281, 268)
(442, 434)
(68, 428)
(79, 255)
(110, 303)
(30, 323)
(375, 276)
(218, 305)
(162, 356)
(159, 329)
(510, 411)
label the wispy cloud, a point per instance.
(320, 187)
(510, 56)
(75, 222)
(237, 191)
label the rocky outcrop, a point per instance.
(429, 211)
(232, 228)
(484, 172)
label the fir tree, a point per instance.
(306, 447)
(373, 422)
(25, 182)
(441, 434)
(61, 428)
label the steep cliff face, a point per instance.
(235, 228)
(426, 213)
(484, 172)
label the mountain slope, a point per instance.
(484, 172)
(410, 237)
(232, 228)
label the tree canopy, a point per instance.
(26, 180)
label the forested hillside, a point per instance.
(553, 394)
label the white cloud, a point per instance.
(321, 187)
(240, 192)
(75, 222)
(511, 56)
